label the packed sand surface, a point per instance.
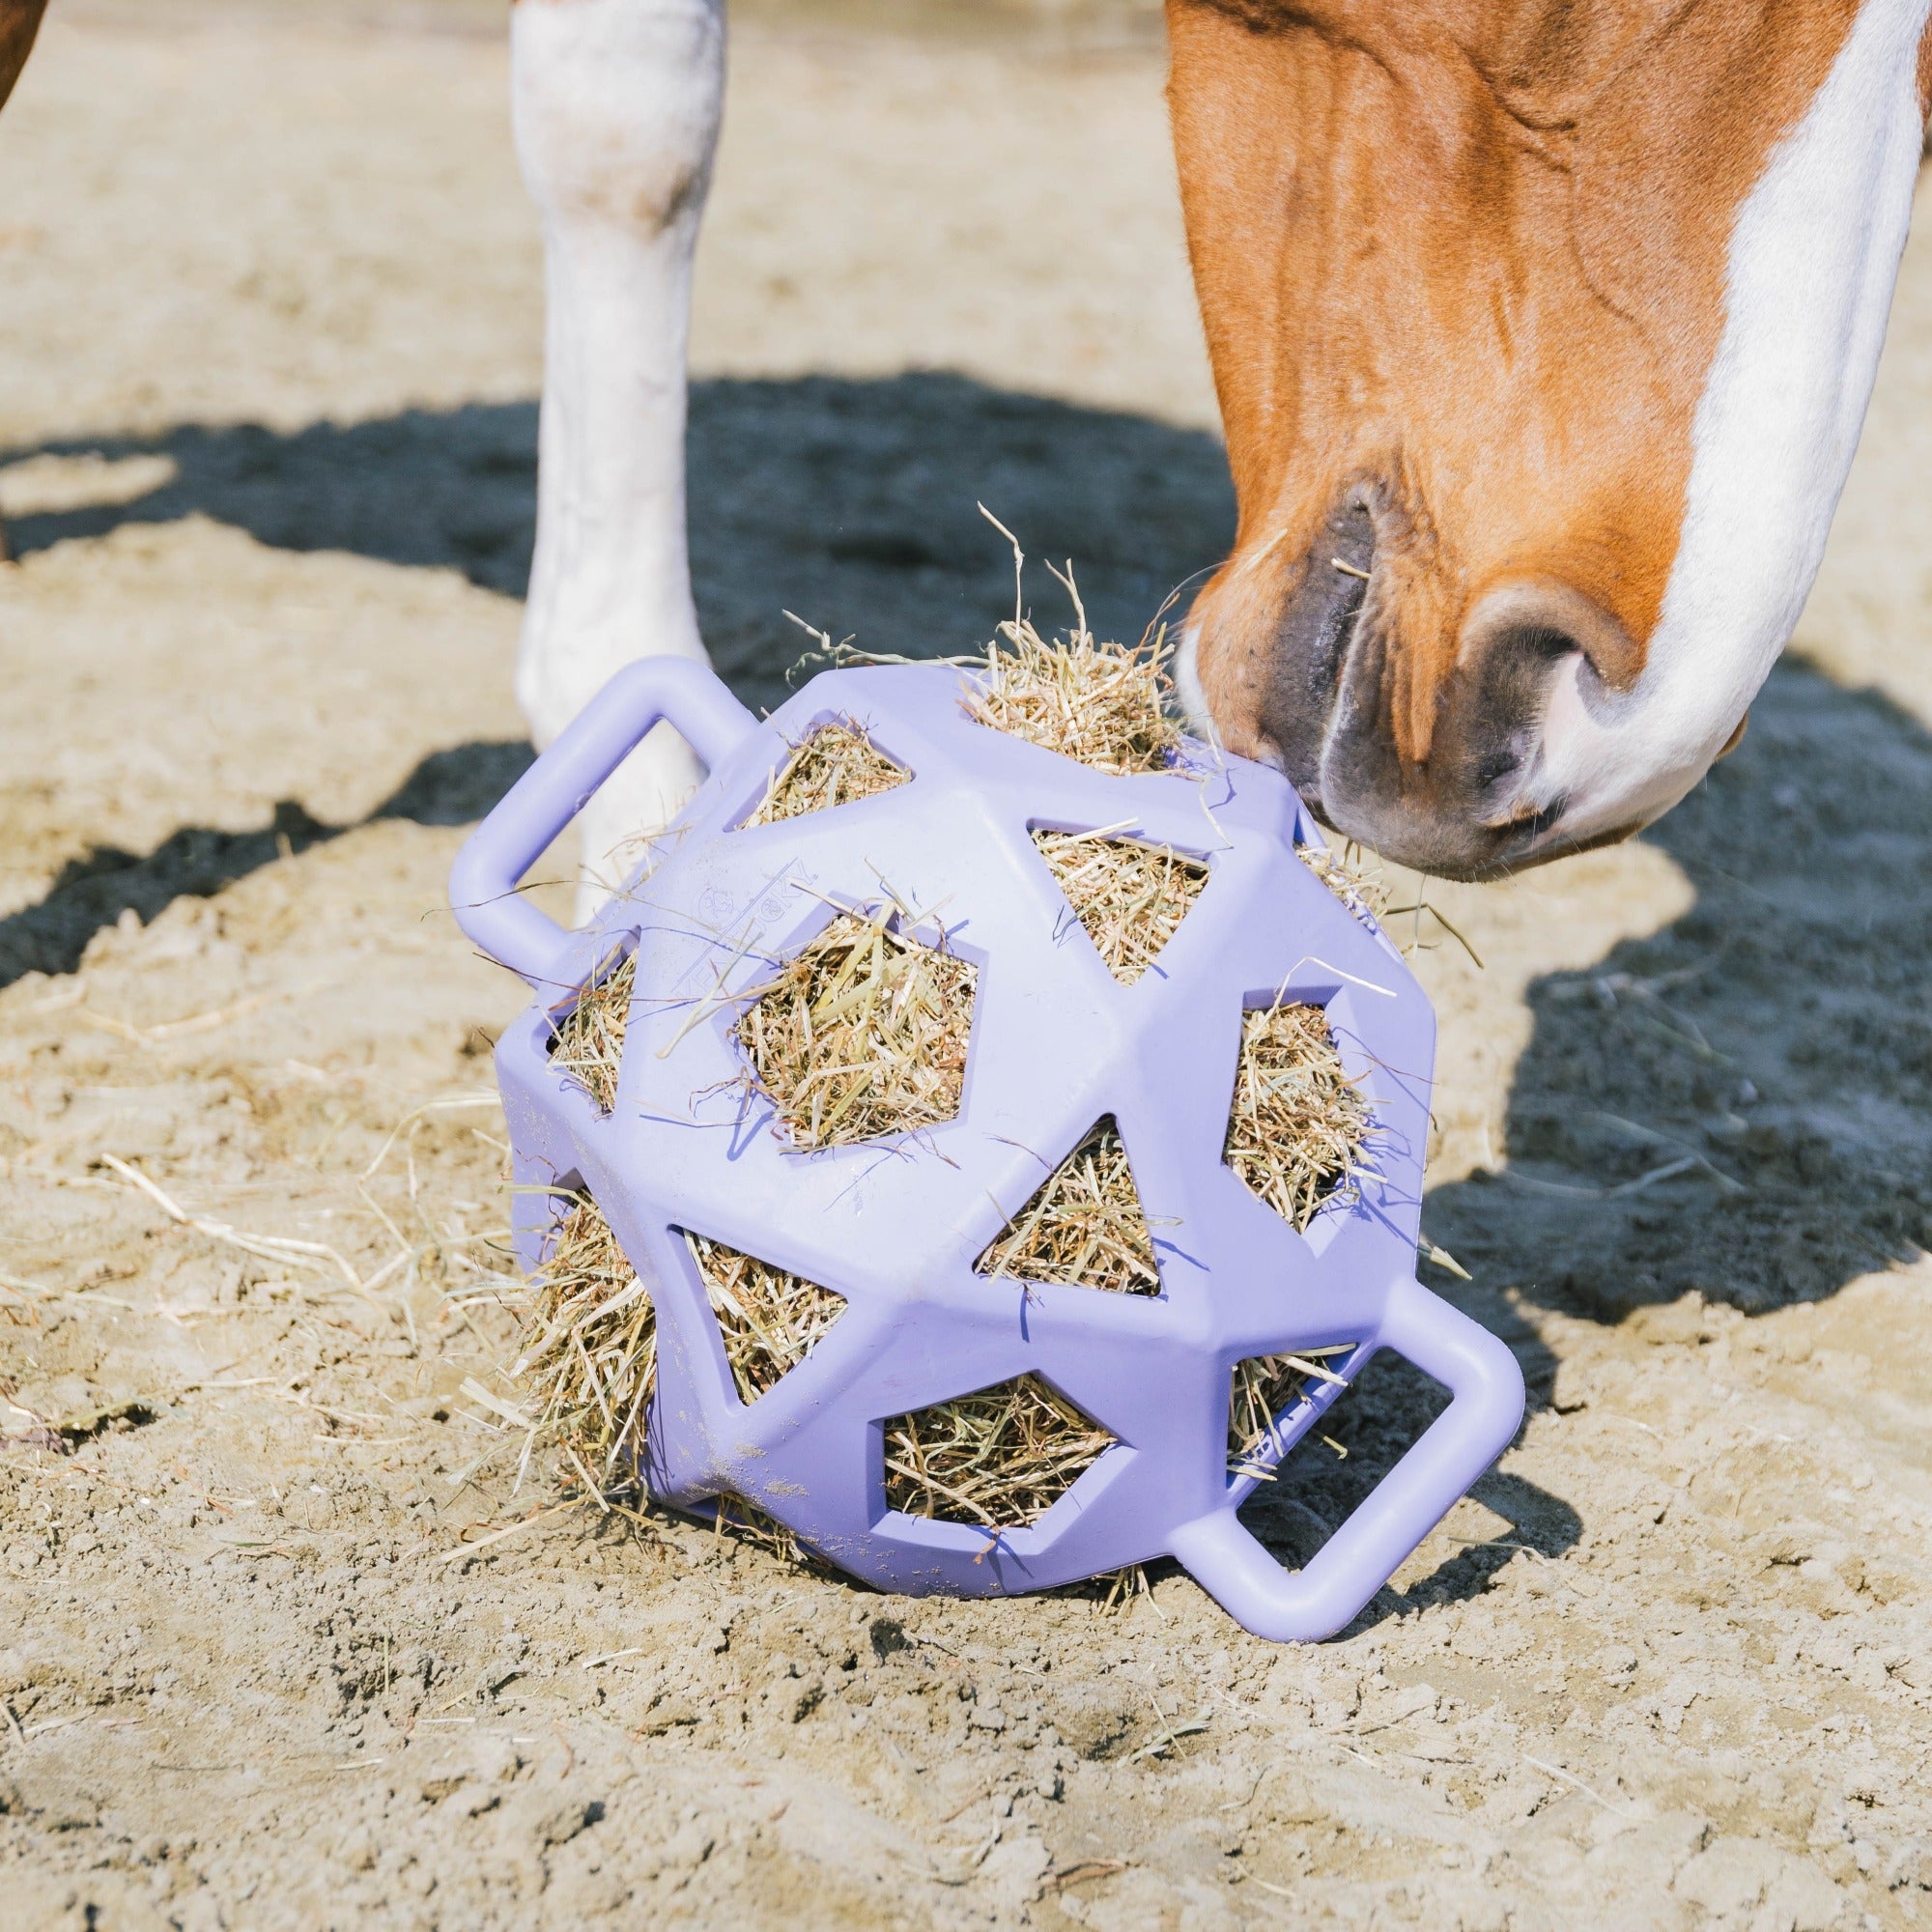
(268, 348)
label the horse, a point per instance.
(1542, 332)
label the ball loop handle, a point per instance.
(1483, 1416)
(676, 691)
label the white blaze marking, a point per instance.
(1813, 260)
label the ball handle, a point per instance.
(1305, 1606)
(676, 691)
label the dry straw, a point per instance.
(863, 1033)
(588, 1043)
(771, 1320)
(1084, 1226)
(1299, 1126)
(1130, 898)
(1264, 1389)
(1104, 704)
(1351, 877)
(1000, 1459)
(832, 765)
(589, 1354)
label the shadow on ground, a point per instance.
(849, 502)
(456, 787)
(1740, 1105)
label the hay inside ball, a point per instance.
(1130, 898)
(863, 1034)
(1107, 705)
(589, 1041)
(1351, 877)
(1001, 1458)
(770, 1319)
(1299, 1126)
(831, 766)
(1265, 1388)
(587, 1356)
(1084, 1226)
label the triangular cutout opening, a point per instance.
(1084, 1226)
(835, 764)
(1129, 897)
(999, 1457)
(770, 1319)
(1265, 1387)
(1299, 1126)
(588, 1042)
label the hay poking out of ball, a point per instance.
(834, 765)
(588, 1354)
(1104, 704)
(1351, 877)
(770, 1319)
(1265, 1388)
(1084, 1226)
(1299, 1127)
(1129, 897)
(863, 1033)
(588, 1043)
(1001, 1458)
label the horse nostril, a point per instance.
(1537, 620)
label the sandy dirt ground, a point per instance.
(276, 1652)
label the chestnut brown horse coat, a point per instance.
(1542, 331)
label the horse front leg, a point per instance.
(616, 107)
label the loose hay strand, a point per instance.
(1129, 897)
(863, 1033)
(588, 1043)
(1299, 1126)
(1084, 1226)
(834, 765)
(770, 1319)
(999, 1457)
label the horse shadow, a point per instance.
(850, 503)
(1738, 1105)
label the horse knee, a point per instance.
(616, 106)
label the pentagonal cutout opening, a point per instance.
(1298, 1129)
(1129, 897)
(770, 1319)
(1264, 1389)
(832, 764)
(588, 1042)
(1084, 1226)
(1351, 877)
(999, 1457)
(863, 1034)
(587, 1344)
(1104, 704)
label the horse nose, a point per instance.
(1475, 800)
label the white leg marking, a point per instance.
(1813, 260)
(616, 106)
